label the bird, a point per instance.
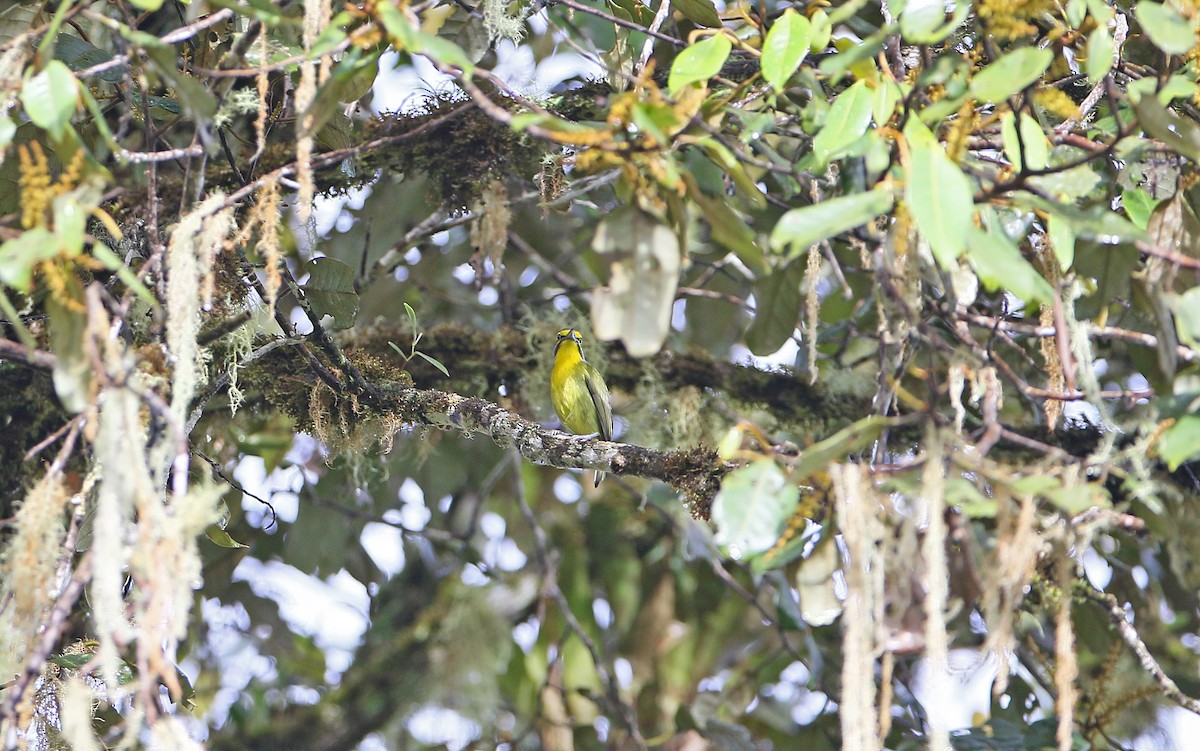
(578, 392)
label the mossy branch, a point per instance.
(696, 472)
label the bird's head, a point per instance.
(569, 335)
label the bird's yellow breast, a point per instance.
(569, 390)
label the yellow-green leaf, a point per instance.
(847, 120)
(699, 62)
(785, 47)
(939, 195)
(1010, 74)
(1170, 31)
(799, 228)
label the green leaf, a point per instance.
(785, 47)
(1166, 27)
(1062, 240)
(836, 66)
(147, 4)
(778, 301)
(645, 256)
(71, 212)
(1079, 498)
(753, 508)
(720, 154)
(999, 265)
(221, 537)
(1010, 74)
(80, 660)
(918, 20)
(1186, 308)
(8, 129)
(411, 39)
(699, 62)
(926, 23)
(433, 362)
(846, 122)
(1138, 206)
(1179, 135)
(19, 255)
(800, 228)
(939, 195)
(194, 96)
(50, 98)
(72, 373)
(822, 30)
(330, 291)
(78, 54)
(1180, 443)
(1076, 12)
(883, 103)
(1099, 54)
(1093, 223)
(1036, 149)
(852, 438)
(271, 441)
(701, 12)
(726, 227)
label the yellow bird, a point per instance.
(578, 392)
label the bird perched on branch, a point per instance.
(578, 392)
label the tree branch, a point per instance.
(695, 472)
(1129, 634)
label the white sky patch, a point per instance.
(332, 612)
(385, 544)
(438, 725)
(784, 356)
(971, 676)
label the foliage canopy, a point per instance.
(277, 464)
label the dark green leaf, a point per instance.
(841, 444)
(778, 303)
(330, 291)
(79, 54)
(701, 12)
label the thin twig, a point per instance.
(551, 589)
(183, 33)
(1119, 618)
(619, 21)
(37, 358)
(216, 468)
(1093, 97)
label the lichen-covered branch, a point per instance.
(695, 472)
